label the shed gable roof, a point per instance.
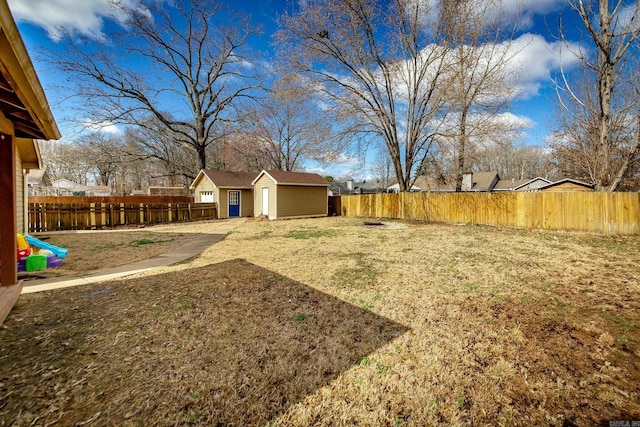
(230, 179)
(294, 178)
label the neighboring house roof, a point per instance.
(429, 183)
(484, 181)
(509, 184)
(533, 184)
(22, 99)
(339, 188)
(371, 187)
(395, 188)
(68, 185)
(567, 181)
(293, 178)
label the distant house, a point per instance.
(337, 188)
(279, 194)
(233, 191)
(520, 184)
(490, 181)
(566, 185)
(532, 184)
(98, 191)
(38, 182)
(479, 181)
(25, 117)
(371, 187)
(434, 185)
(66, 187)
(395, 188)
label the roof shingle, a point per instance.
(229, 178)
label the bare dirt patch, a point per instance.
(498, 327)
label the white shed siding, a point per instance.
(265, 181)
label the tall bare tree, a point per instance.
(288, 127)
(480, 74)
(598, 130)
(379, 60)
(176, 62)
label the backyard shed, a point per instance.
(24, 117)
(232, 191)
(279, 194)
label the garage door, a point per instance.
(206, 197)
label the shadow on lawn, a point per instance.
(230, 344)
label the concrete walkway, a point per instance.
(186, 251)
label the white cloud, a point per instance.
(536, 59)
(85, 17)
(103, 127)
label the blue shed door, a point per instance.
(234, 203)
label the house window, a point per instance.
(206, 197)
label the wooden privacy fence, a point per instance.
(83, 216)
(607, 213)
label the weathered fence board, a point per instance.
(94, 215)
(607, 213)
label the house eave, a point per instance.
(21, 93)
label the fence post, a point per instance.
(170, 216)
(92, 215)
(123, 220)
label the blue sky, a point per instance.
(39, 19)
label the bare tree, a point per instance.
(383, 168)
(598, 130)
(104, 153)
(185, 59)
(66, 161)
(380, 62)
(175, 163)
(514, 161)
(288, 127)
(480, 74)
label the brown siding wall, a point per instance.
(294, 201)
(246, 202)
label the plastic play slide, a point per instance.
(57, 251)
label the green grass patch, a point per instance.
(300, 317)
(315, 233)
(142, 242)
(360, 276)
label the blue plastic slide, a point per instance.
(57, 251)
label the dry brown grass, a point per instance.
(328, 322)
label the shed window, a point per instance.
(206, 197)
